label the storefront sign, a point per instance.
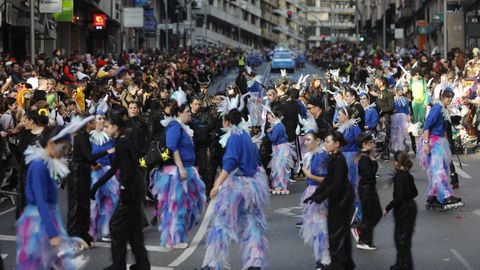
(67, 12)
(50, 6)
(99, 20)
(133, 17)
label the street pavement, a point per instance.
(446, 240)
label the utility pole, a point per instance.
(166, 24)
(384, 32)
(32, 32)
(445, 32)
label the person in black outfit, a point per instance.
(215, 149)
(127, 222)
(199, 125)
(351, 97)
(78, 186)
(404, 210)
(339, 192)
(371, 209)
(241, 82)
(34, 123)
(385, 102)
(290, 110)
(137, 129)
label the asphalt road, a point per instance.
(447, 240)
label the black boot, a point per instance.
(454, 180)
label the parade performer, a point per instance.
(419, 95)
(126, 223)
(435, 156)
(367, 192)
(401, 111)
(348, 127)
(282, 154)
(102, 209)
(404, 210)
(78, 186)
(314, 219)
(40, 231)
(240, 193)
(385, 105)
(371, 114)
(338, 190)
(178, 188)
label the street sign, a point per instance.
(50, 6)
(133, 17)
(399, 33)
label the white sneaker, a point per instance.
(366, 247)
(181, 246)
(106, 239)
(164, 249)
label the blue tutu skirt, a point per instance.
(239, 217)
(34, 251)
(103, 207)
(437, 165)
(179, 203)
(314, 230)
(399, 132)
(281, 163)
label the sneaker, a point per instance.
(107, 238)
(320, 266)
(366, 246)
(285, 191)
(355, 233)
(181, 246)
(164, 249)
(299, 224)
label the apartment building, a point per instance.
(330, 20)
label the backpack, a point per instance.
(157, 152)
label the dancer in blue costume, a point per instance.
(314, 229)
(435, 156)
(240, 193)
(178, 188)
(348, 127)
(283, 154)
(41, 236)
(103, 207)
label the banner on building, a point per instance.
(50, 6)
(150, 23)
(133, 17)
(67, 12)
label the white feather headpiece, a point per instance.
(283, 73)
(179, 96)
(228, 104)
(309, 123)
(74, 126)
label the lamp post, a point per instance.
(445, 32)
(32, 32)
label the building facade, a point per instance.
(331, 21)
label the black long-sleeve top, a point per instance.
(82, 149)
(385, 102)
(359, 112)
(336, 185)
(367, 170)
(403, 189)
(126, 161)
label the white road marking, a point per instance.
(288, 211)
(461, 172)
(198, 237)
(461, 259)
(4, 237)
(4, 256)
(463, 164)
(7, 211)
(477, 212)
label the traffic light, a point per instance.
(289, 14)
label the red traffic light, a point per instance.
(289, 13)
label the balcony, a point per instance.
(248, 7)
(231, 19)
(202, 35)
(336, 10)
(269, 35)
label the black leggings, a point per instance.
(371, 210)
(405, 216)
